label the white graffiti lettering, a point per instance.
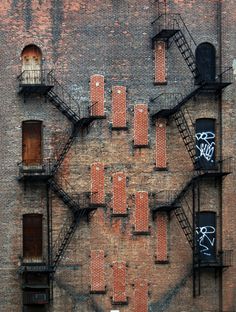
(204, 240)
(205, 147)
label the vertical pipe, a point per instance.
(197, 225)
(219, 27)
(194, 240)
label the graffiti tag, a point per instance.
(205, 145)
(205, 242)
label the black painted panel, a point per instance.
(205, 60)
(206, 236)
(205, 143)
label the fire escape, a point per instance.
(44, 83)
(171, 28)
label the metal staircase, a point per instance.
(186, 134)
(185, 224)
(81, 117)
(65, 150)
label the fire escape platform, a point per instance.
(164, 35)
(214, 86)
(166, 207)
(39, 172)
(39, 89)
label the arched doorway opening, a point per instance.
(31, 58)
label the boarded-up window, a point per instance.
(161, 252)
(160, 62)
(141, 295)
(140, 125)
(206, 236)
(97, 95)
(119, 193)
(31, 142)
(97, 271)
(31, 65)
(205, 143)
(118, 107)
(119, 282)
(206, 62)
(161, 143)
(97, 183)
(141, 212)
(32, 237)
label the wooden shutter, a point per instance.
(31, 142)
(32, 237)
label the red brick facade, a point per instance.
(119, 283)
(97, 95)
(97, 183)
(97, 271)
(161, 157)
(118, 107)
(160, 62)
(140, 125)
(101, 82)
(141, 212)
(119, 194)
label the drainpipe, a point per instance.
(219, 28)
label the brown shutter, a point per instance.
(32, 237)
(31, 142)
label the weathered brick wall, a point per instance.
(82, 41)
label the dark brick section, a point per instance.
(96, 48)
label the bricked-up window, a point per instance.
(140, 125)
(161, 222)
(119, 193)
(31, 58)
(161, 143)
(141, 212)
(31, 142)
(140, 295)
(160, 62)
(97, 271)
(32, 237)
(97, 95)
(97, 183)
(119, 282)
(119, 107)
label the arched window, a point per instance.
(31, 58)
(206, 62)
(205, 143)
(32, 142)
(32, 237)
(206, 236)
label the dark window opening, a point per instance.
(206, 62)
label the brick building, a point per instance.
(117, 145)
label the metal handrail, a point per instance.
(34, 77)
(63, 94)
(35, 166)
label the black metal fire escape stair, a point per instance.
(71, 223)
(187, 53)
(65, 149)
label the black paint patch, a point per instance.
(57, 16)
(162, 304)
(78, 297)
(28, 14)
